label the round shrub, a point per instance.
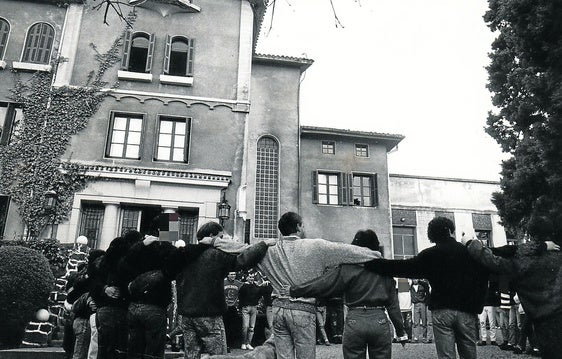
(25, 283)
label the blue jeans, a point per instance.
(295, 333)
(81, 327)
(420, 314)
(112, 332)
(452, 327)
(147, 331)
(249, 314)
(203, 335)
(367, 330)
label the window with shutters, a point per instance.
(267, 188)
(38, 44)
(138, 51)
(125, 132)
(178, 60)
(173, 139)
(364, 190)
(4, 33)
(328, 187)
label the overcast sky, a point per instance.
(410, 67)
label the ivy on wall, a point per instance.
(31, 163)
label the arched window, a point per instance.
(138, 49)
(267, 188)
(178, 59)
(4, 32)
(39, 43)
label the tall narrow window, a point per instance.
(125, 136)
(131, 220)
(365, 190)
(4, 32)
(404, 242)
(138, 50)
(39, 43)
(178, 57)
(267, 188)
(173, 139)
(188, 226)
(91, 221)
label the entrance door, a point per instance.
(139, 218)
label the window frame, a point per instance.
(362, 145)
(186, 146)
(109, 137)
(373, 190)
(127, 47)
(414, 242)
(190, 61)
(328, 143)
(265, 222)
(341, 176)
(4, 46)
(29, 60)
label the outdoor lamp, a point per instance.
(51, 198)
(82, 240)
(223, 210)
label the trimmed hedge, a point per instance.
(25, 283)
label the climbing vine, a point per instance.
(31, 163)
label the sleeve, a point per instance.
(415, 267)
(176, 258)
(249, 257)
(484, 256)
(328, 285)
(335, 254)
(394, 310)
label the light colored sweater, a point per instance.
(293, 261)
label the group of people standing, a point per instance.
(131, 284)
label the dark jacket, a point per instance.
(493, 292)
(420, 295)
(249, 294)
(536, 275)
(457, 281)
(201, 282)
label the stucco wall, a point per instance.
(274, 112)
(340, 223)
(21, 15)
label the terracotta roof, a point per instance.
(301, 62)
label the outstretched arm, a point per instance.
(405, 268)
(492, 262)
(328, 285)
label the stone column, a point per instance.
(109, 226)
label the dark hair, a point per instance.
(209, 229)
(288, 223)
(116, 250)
(132, 236)
(366, 238)
(95, 253)
(438, 229)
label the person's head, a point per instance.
(440, 229)
(95, 253)
(251, 278)
(209, 229)
(290, 223)
(117, 249)
(231, 275)
(132, 236)
(414, 281)
(366, 238)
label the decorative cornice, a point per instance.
(199, 177)
(188, 101)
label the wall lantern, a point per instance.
(223, 210)
(51, 198)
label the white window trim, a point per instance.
(134, 76)
(176, 80)
(30, 66)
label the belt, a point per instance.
(364, 307)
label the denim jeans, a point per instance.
(203, 335)
(295, 332)
(269, 318)
(93, 348)
(452, 327)
(488, 312)
(420, 315)
(367, 330)
(231, 320)
(321, 324)
(503, 323)
(429, 329)
(147, 331)
(112, 332)
(249, 314)
(81, 327)
(514, 325)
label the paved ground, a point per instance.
(413, 351)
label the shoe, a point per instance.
(327, 343)
(505, 346)
(429, 341)
(517, 350)
(243, 347)
(493, 342)
(394, 340)
(481, 343)
(249, 347)
(536, 352)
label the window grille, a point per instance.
(38, 44)
(130, 221)
(188, 226)
(91, 222)
(267, 188)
